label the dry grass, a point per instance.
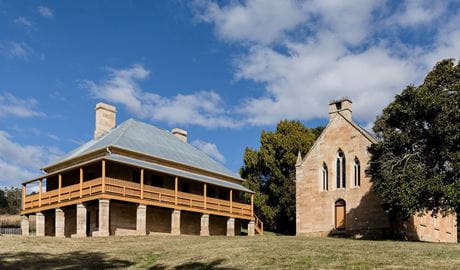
(14, 221)
(10, 221)
(190, 252)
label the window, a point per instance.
(324, 177)
(340, 172)
(357, 172)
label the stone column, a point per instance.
(25, 225)
(175, 222)
(204, 225)
(231, 227)
(59, 223)
(104, 214)
(39, 224)
(251, 228)
(141, 219)
(81, 221)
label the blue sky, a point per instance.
(223, 70)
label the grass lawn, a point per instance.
(216, 252)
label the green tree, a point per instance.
(415, 165)
(270, 172)
(13, 196)
(3, 202)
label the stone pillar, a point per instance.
(25, 225)
(39, 224)
(175, 222)
(231, 227)
(204, 225)
(104, 214)
(59, 223)
(141, 219)
(81, 221)
(251, 228)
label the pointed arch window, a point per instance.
(341, 172)
(324, 177)
(357, 172)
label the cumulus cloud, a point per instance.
(416, 12)
(19, 162)
(210, 149)
(329, 49)
(13, 49)
(14, 106)
(46, 11)
(204, 108)
(261, 21)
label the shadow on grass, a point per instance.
(214, 265)
(71, 260)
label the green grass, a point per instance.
(194, 252)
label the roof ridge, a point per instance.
(126, 124)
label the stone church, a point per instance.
(335, 196)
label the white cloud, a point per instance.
(203, 108)
(261, 21)
(14, 49)
(19, 162)
(416, 12)
(46, 11)
(24, 22)
(14, 106)
(210, 149)
(330, 49)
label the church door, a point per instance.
(340, 214)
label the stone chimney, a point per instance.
(342, 106)
(105, 119)
(180, 133)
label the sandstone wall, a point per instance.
(315, 209)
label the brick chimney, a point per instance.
(342, 106)
(105, 119)
(180, 133)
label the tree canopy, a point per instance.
(270, 172)
(10, 200)
(415, 165)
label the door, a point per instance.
(340, 215)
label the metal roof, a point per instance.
(177, 172)
(150, 140)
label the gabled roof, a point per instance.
(362, 130)
(149, 140)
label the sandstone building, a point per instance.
(137, 179)
(335, 196)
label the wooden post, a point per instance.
(176, 185)
(231, 200)
(81, 182)
(204, 195)
(59, 187)
(252, 205)
(40, 193)
(103, 176)
(24, 197)
(142, 183)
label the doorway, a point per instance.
(340, 215)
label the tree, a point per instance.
(415, 165)
(270, 172)
(3, 202)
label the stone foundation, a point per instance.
(175, 222)
(39, 224)
(25, 225)
(59, 223)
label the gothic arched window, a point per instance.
(324, 177)
(357, 172)
(341, 172)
